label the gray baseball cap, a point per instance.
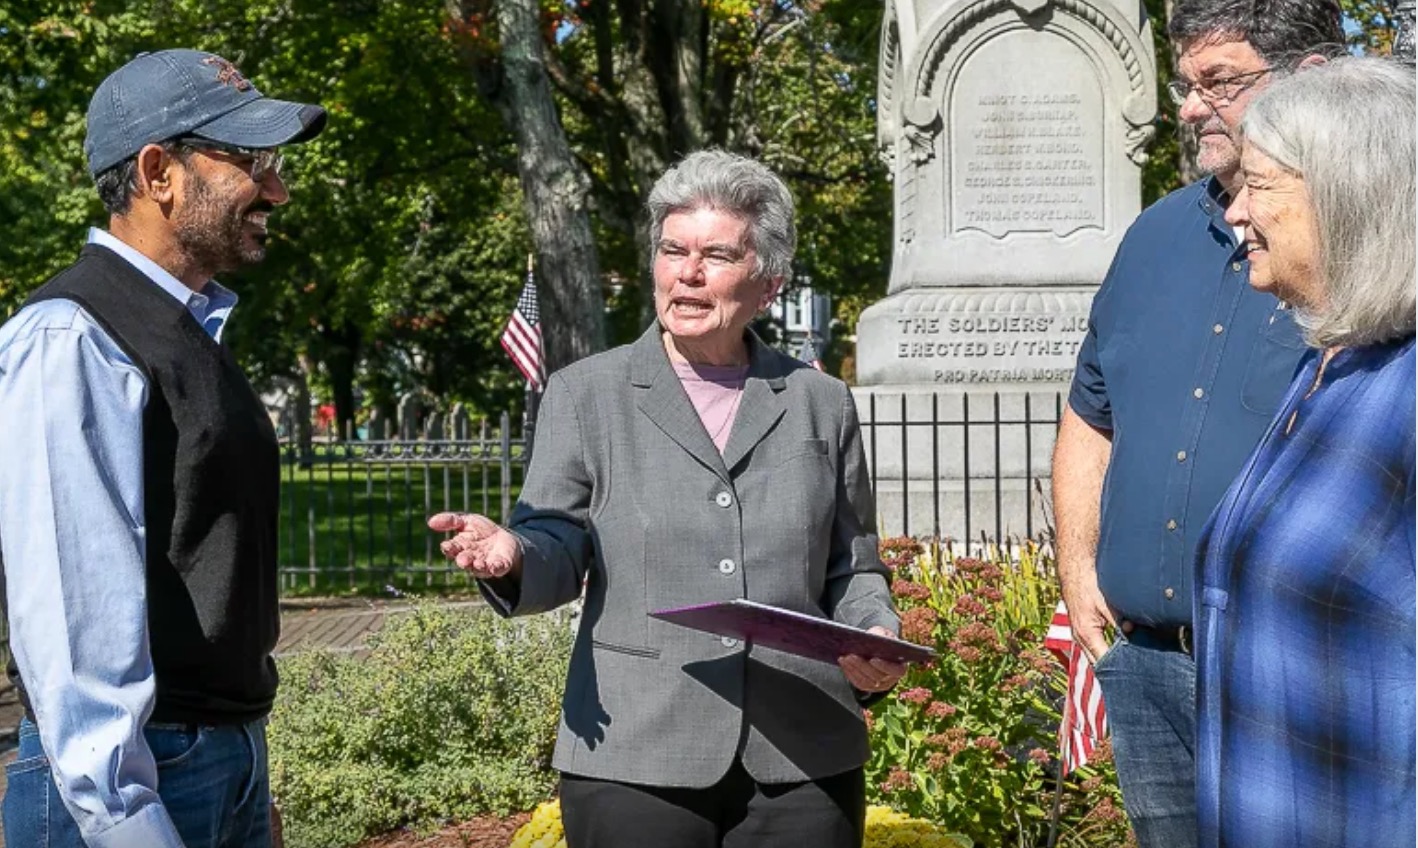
(171, 93)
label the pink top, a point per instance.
(715, 391)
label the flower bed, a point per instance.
(970, 742)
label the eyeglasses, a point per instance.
(264, 160)
(1217, 92)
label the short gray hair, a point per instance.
(1347, 128)
(119, 184)
(740, 186)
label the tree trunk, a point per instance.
(341, 358)
(554, 190)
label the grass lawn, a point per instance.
(349, 526)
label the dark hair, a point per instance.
(1282, 31)
(117, 184)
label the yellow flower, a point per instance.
(543, 830)
(886, 828)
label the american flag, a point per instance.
(1084, 721)
(523, 337)
(809, 352)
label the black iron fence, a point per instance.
(963, 464)
(352, 513)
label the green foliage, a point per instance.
(969, 741)
(453, 714)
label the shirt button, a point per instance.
(1235, 266)
(1172, 524)
(1217, 329)
(1169, 593)
(726, 566)
(1181, 456)
(724, 499)
(729, 642)
(1198, 393)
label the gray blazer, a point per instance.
(627, 492)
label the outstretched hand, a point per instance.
(872, 675)
(479, 545)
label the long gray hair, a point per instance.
(1347, 129)
(739, 186)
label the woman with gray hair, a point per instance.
(698, 465)
(1305, 580)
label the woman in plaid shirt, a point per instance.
(1305, 581)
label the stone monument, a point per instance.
(1016, 131)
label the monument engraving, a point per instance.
(1015, 130)
(1032, 160)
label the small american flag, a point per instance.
(809, 352)
(1085, 722)
(523, 337)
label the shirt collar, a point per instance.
(212, 297)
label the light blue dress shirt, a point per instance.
(73, 541)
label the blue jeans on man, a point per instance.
(1149, 691)
(212, 780)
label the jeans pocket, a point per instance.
(172, 747)
(26, 804)
(1106, 660)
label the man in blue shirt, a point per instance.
(1182, 368)
(139, 491)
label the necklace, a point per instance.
(1314, 387)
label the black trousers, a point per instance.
(736, 812)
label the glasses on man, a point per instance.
(262, 161)
(1217, 92)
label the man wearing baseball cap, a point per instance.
(139, 491)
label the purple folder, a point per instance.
(793, 632)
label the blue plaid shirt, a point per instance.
(1305, 611)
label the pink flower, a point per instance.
(967, 605)
(918, 625)
(1040, 756)
(987, 743)
(940, 709)
(918, 695)
(909, 589)
(897, 780)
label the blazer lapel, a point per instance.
(661, 398)
(763, 403)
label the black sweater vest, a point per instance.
(211, 477)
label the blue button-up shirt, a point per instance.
(1185, 363)
(1305, 623)
(72, 538)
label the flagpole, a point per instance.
(529, 405)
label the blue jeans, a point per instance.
(212, 781)
(1150, 696)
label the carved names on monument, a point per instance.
(1027, 151)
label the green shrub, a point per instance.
(453, 714)
(971, 741)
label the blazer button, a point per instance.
(726, 566)
(724, 499)
(728, 642)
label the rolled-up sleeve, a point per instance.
(857, 591)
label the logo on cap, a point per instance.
(227, 74)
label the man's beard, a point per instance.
(210, 231)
